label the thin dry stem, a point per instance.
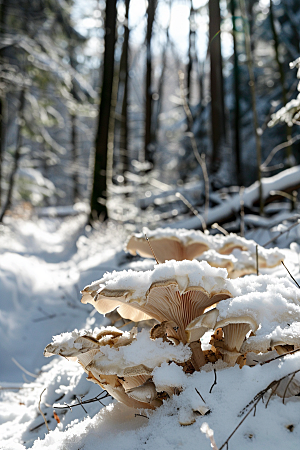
(290, 274)
(281, 233)
(151, 248)
(216, 226)
(22, 368)
(194, 211)
(45, 420)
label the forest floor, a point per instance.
(44, 264)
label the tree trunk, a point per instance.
(3, 13)
(236, 81)
(99, 189)
(282, 79)
(216, 83)
(124, 67)
(75, 157)
(191, 53)
(17, 155)
(148, 93)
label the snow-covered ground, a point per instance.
(43, 266)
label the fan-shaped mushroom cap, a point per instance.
(228, 244)
(168, 243)
(144, 393)
(174, 292)
(234, 330)
(269, 302)
(84, 345)
(197, 327)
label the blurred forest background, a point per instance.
(114, 107)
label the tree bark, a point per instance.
(99, 189)
(124, 67)
(236, 81)
(3, 14)
(148, 91)
(17, 155)
(191, 53)
(216, 83)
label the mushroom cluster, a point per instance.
(233, 252)
(201, 316)
(121, 362)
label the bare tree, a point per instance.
(148, 91)
(99, 189)
(216, 82)
(124, 68)
(236, 87)
(17, 155)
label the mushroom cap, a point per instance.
(143, 393)
(233, 243)
(197, 327)
(174, 291)
(168, 243)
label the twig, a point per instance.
(256, 400)
(209, 434)
(22, 368)
(281, 233)
(80, 402)
(151, 248)
(277, 148)
(290, 274)
(256, 251)
(141, 415)
(236, 428)
(280, 356)
(46, 423)
(36, 427)
(215, 381)
(216, 226)
(194, 211)
(200, 395)
(91, 400)
(287, 386)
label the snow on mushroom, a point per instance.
(233, 252)
(263, 303)
(174, 293)
(120, 362)
(168, 244)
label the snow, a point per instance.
(44, 265)
(281, 181)
(186, 273)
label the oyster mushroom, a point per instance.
(237, 245)
(234, 333)
(169, 244)
(174, 293)
(120, 362)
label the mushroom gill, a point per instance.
(234, 330)
(169, 244)
(175, 302)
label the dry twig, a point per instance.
(45, 420)
(295, 281)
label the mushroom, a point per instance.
(177, 293)
(120, 362)
(234, 331)
(169, 244)
(237, 245)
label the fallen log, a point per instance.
(287, 181)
